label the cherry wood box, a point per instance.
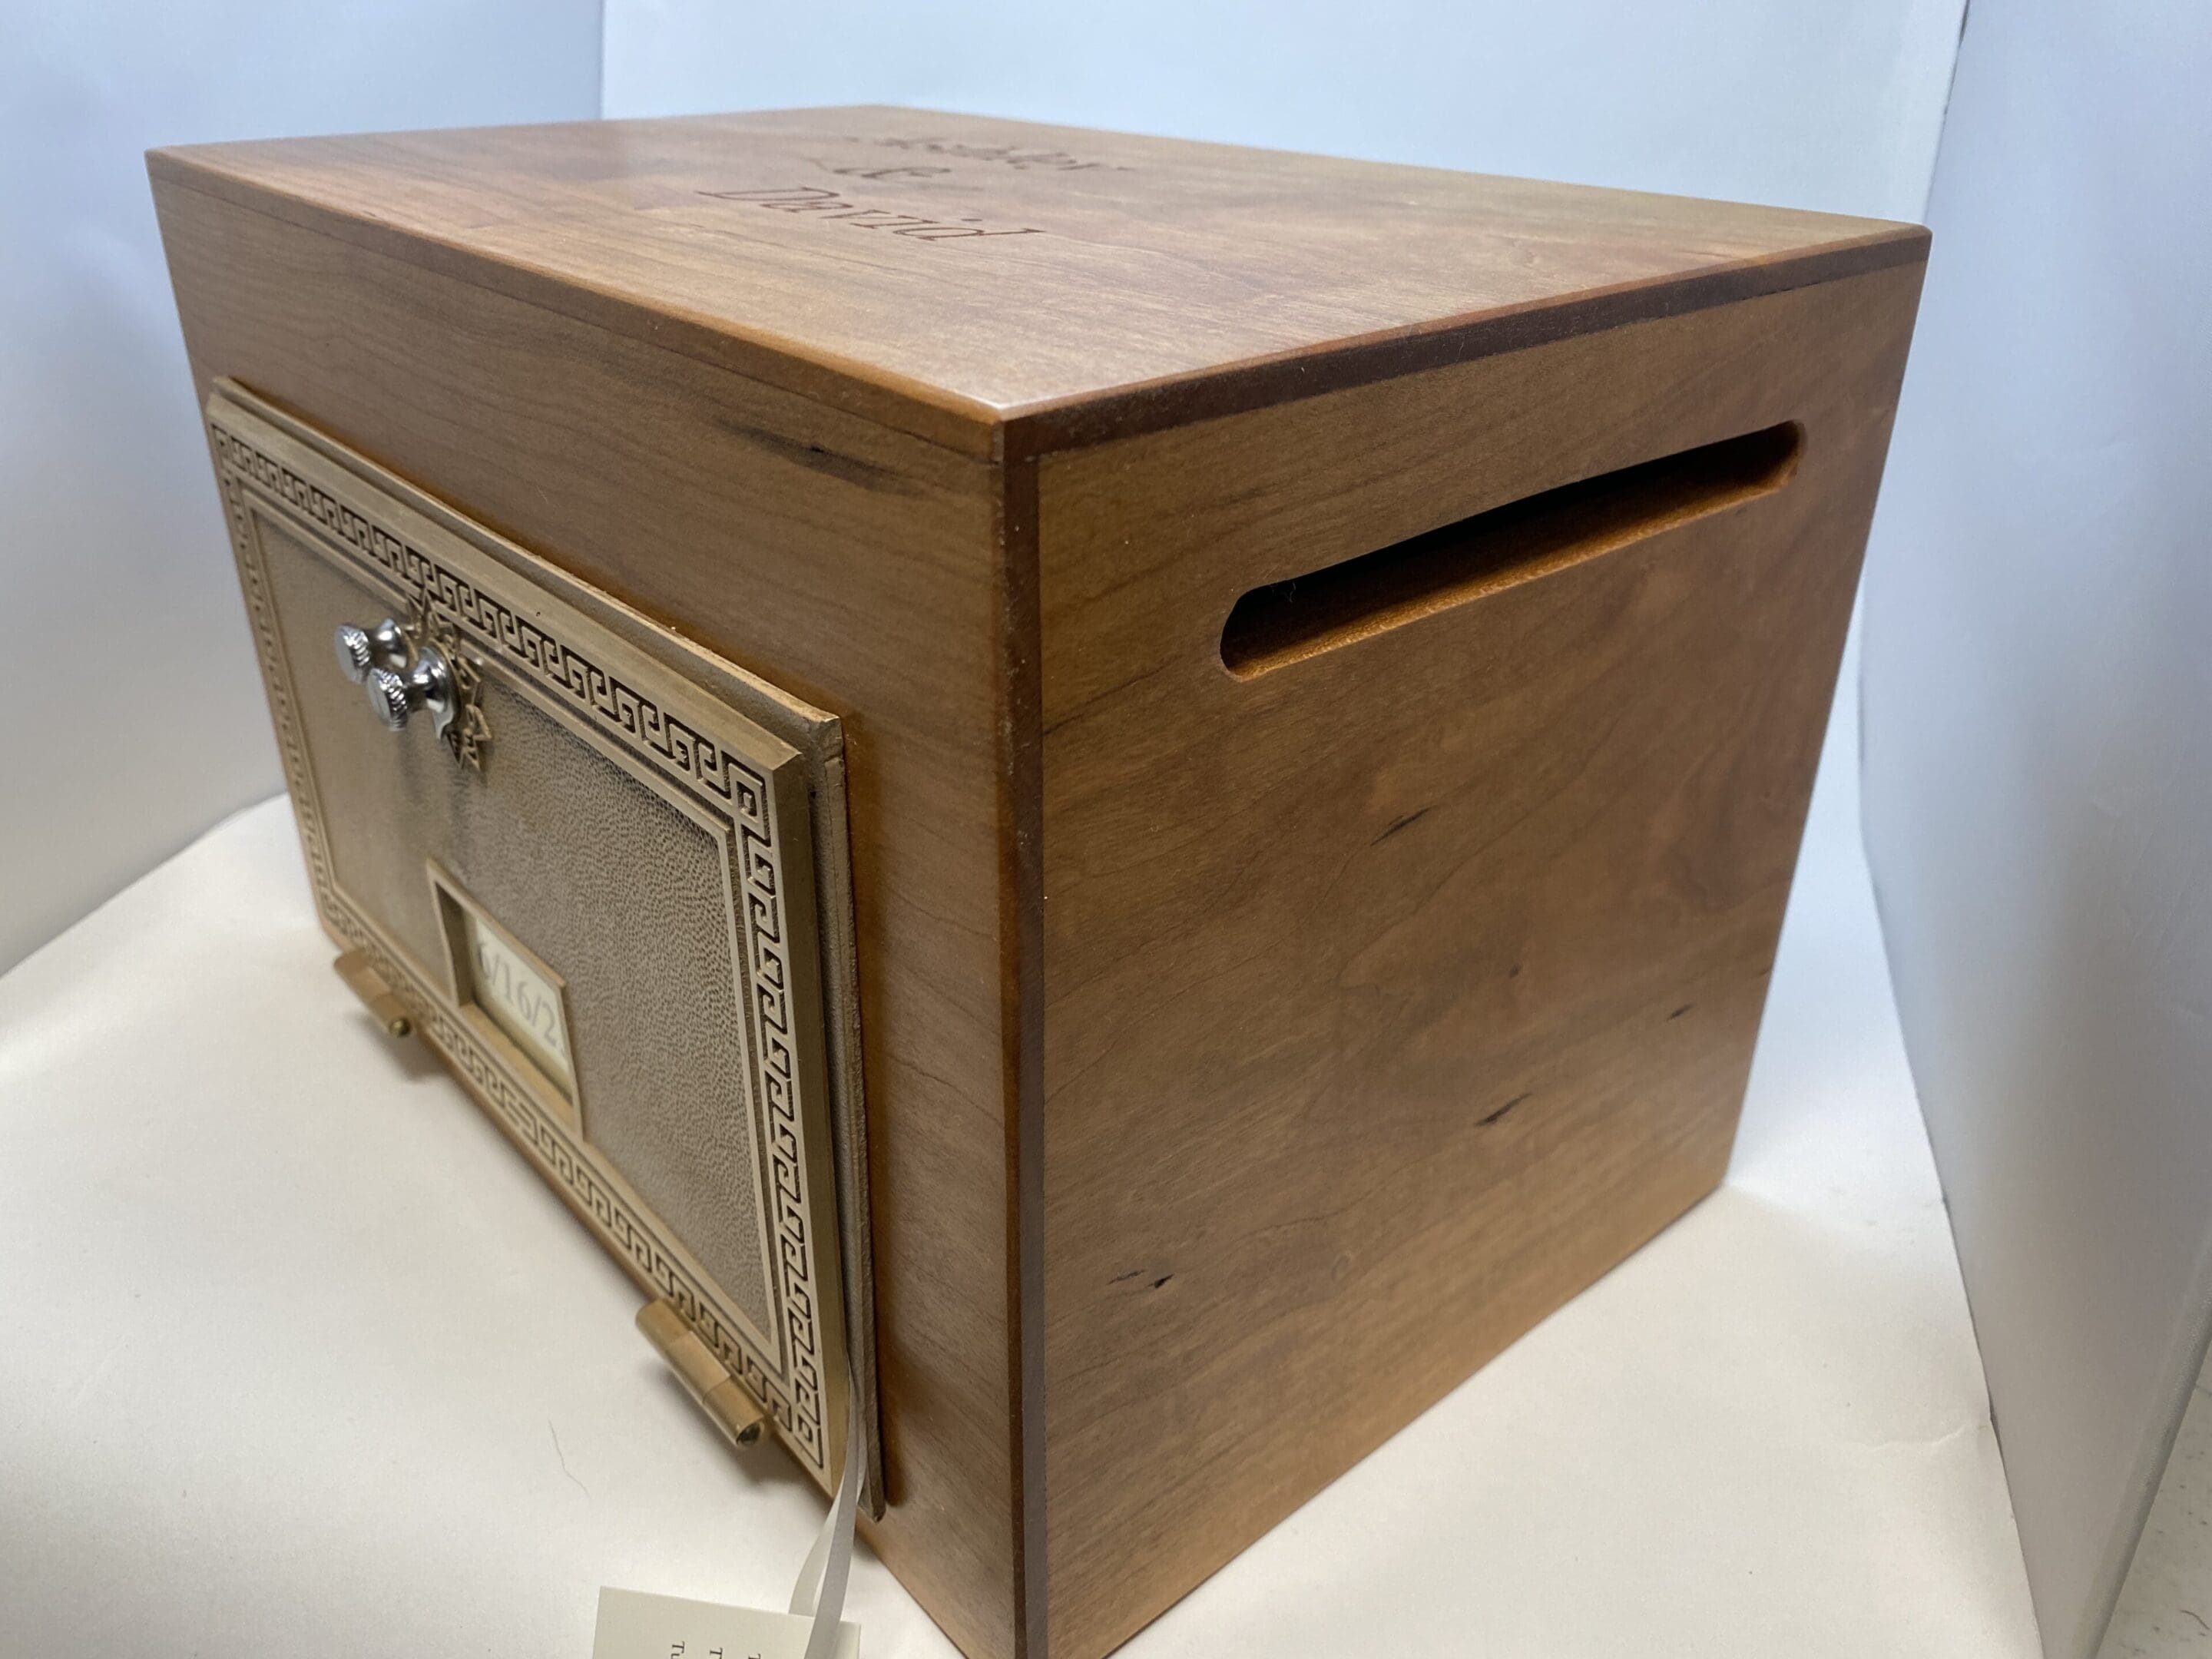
(1294, 685)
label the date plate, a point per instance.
(517, 997)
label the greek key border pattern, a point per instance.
(640, 720)
(555, 1152)
(672, 747)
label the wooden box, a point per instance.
(1272, 701)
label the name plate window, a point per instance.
(501, 984)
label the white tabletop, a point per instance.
(298, 1357)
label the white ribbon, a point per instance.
(820, 1592)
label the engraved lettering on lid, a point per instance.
(820, 202)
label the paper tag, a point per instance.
(635, 1626)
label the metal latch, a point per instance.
(417, 666)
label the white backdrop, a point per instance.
(2039, 754)
(1833, 107)
(133, 717)
(2038, 594)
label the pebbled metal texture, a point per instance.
(653, 845)
(605, 880)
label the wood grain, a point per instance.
(1250, 1055)
(1395, 994)
(1008, 288)
(850, 565)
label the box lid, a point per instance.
(1008, 288)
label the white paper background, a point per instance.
(2039, 757)
(133, 717)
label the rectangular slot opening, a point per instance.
(517, 1004)
(1286, 621)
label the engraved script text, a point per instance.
(823, 204)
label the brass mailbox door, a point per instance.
(605, 873)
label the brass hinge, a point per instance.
(365, 982)
(704, 1377)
